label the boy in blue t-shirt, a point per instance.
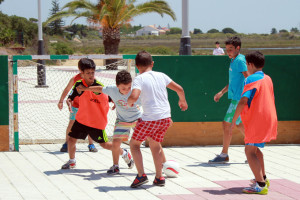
(237, 74)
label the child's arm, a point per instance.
(65, 92)
(243, 101)
(97, 89)
(180, 92)
(133, 97)
(218, 96)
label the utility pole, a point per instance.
(185, 41)
(41, 70)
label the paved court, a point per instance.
(34, 173)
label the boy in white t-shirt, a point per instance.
(218, 50)
(151, 87)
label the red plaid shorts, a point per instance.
(153, 129)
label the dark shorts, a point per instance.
(80, 131)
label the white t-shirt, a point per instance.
(154, 95)
(218, 51)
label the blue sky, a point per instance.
(244, 16)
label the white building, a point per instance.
(148, 30)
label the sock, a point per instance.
(265, 177)
(116, 165)
(73, 160)
(124, 152)
(261, 184)
(223, 155)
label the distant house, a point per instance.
(147, 30)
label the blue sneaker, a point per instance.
(219, 160)
(92, 148)
(64, 148)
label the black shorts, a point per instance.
(80, 131)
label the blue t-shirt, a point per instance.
(250, 79)
(236, 77)
(124, 112)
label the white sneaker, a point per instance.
(128, 159)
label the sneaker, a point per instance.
(139, 181)
(253, 182)
(64, 148)
(219, 160)
(92, 148)
(128, 159)
(159, 181)
(256, 190)
(114, 170)
(69, 165)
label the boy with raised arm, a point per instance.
(91, 118)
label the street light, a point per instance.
(41, 70)
(185, 41)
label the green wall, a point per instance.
(203, 76)
(4, 110)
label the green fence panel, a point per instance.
(4, 97)
(203, 76)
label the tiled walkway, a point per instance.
(34, 173)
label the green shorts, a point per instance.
(230, 112)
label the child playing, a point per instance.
(152, 87)
(126, 117)
(75, 105)
(91, 118)
(258, 112)
(237, 74)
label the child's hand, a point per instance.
(60, 105)
(69, 103)
(80, 88)
(218, 96)
(183, 105)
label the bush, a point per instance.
(62, 49)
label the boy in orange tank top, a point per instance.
(75, 105)
(258, 113)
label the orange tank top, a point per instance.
(76, 99)
(93, 109)
(260, 119)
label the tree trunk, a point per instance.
(111, 41)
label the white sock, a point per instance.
(116, 165)
(124, 152)
(223, 155)
(73, 160)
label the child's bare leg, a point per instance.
(157, 156)
(72, 147)
(116, 150)
(254, 162)
(137, 155)
(163, 154)
(260, 157)
(226, 137)
(71, 122)
(109, 146)
(90, 140)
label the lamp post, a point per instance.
(41, 70)
(185, 41)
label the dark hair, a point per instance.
(217, 42)
(123, 77)
(257, 58)
(86, 63)
(235, 41)
(143, 59)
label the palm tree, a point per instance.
(112, 14)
